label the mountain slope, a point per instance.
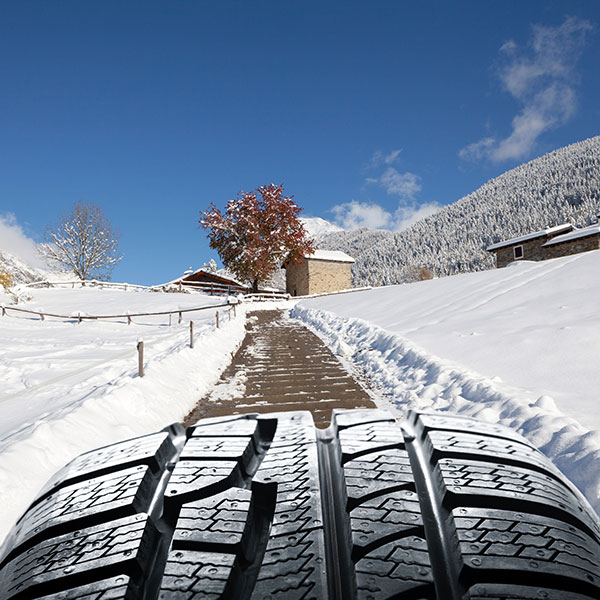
(562, 186)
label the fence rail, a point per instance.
(91, 283)
(81, 317)
(203, 286)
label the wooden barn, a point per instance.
(210, 282)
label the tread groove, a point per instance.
(441, 550)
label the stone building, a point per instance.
(552, 242)
(323, 271)
(573, 242)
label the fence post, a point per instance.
(128, 320)
(180, 318)
(3, 311)
(78, 318)
(42, 315)
(217, 313)
(191, 334)
(170, 315)
(140, 349)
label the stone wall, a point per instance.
(317, 276)
(534, 250)
(296, 278)
(328, 276)
(584, 244)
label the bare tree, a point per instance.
(83, 240)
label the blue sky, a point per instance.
(370, 113)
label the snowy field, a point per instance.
(69, 387)
(519, 346)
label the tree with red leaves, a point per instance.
(258, 232)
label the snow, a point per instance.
(575, 234)
(334, 255)
(69, 388)
(531, 236)
(519, 346)
(317, 227)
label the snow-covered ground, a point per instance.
(519, 346)
(68, 387)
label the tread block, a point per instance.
(219, 519)
(393, 515)
(214, 448)
(153, 450)
(496, 449)
(402, 566)
(377, 472)
(351, 418)
(534, 543)
(120, 493)
(122, 546)
(491, 591)
(190, 574)
(115, 588)
(244, 425)
(367, 437)
(193, 478)
(446, 422)
(473, 477)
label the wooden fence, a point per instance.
(85, 317)
(213, 289)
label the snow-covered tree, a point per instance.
(83, 240)
(558, 187)
(258, 232)
(211, 266)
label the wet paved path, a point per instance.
(281, 365)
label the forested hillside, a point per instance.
(562, 186)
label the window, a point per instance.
(518, 252)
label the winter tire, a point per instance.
(258, 507)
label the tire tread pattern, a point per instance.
(252, 506)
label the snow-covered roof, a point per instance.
(189, 275)
(558, 229)
(573, 235)
(333, 255)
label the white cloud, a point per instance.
(477, 150)
(379, 158)
(542, 77)
(404, 185)
(14, 240)
(406, 216)
(353, 215)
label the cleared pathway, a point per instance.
(281, 365)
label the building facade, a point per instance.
(321, 272)
(553, 242)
